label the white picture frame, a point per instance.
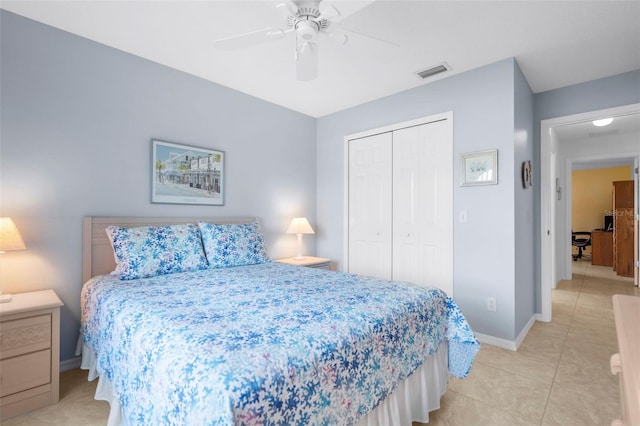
(479, 168)
(183, 174)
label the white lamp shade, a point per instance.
(300, 225)
(10, 239)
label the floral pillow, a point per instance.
(233, 245)
(157, 250)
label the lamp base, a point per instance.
(4, 298)
(300, 258)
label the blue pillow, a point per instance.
(233, 245)
(157, 250)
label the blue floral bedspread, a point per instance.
(264, 344)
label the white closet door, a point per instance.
(370, 206)
(423, 205)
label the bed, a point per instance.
(242, 340)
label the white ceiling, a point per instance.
(556, 43)
(622, 125)
(626, 126)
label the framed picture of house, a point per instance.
(183, 174)
(479, 168)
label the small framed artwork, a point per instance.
(479, 168)
(527, 176)
(183, 174)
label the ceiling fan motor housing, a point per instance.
(307, 20)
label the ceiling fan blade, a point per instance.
(242, 41)
(345, 8)
(327, 11)
(363, 44)
(287, 8)
(307, 61)
(337, 35)
(370, 39)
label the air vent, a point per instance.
(430, 72)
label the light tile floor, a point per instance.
(559, 376)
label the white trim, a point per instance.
(547, 211)
(70, 364)
(511, 345)
(525, 330)
(568, 210)
(496, 341)
(366, 133)
(345, 207)
(403, 125)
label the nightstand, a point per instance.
(309, 262)
(29, 352)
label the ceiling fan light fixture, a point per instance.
(306, 61)
(430, 72)
(306, 48)
(307, 30)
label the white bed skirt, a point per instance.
(411, 402)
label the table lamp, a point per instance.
(10, 240)
(299, 226)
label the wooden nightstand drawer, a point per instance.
(29, 352)
(26, 335)
(323, 265)
(308, 261)
(25, 372)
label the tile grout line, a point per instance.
(564, 343)
(490, 405)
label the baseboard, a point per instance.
(511, 345)
(525, 331)
(70, 364)
(496, 341)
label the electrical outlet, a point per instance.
(491, 304)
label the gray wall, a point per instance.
(77, 120)
(482, 101)
(614, 91)
(524, 205)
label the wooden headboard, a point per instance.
(97, 255)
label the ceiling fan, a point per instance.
(309, 21)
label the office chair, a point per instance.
(581, 240)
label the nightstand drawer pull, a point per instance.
(25, 372)
(25, 335)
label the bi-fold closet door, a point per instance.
(400, 204)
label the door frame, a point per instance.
(371, 132)
(548, 255)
